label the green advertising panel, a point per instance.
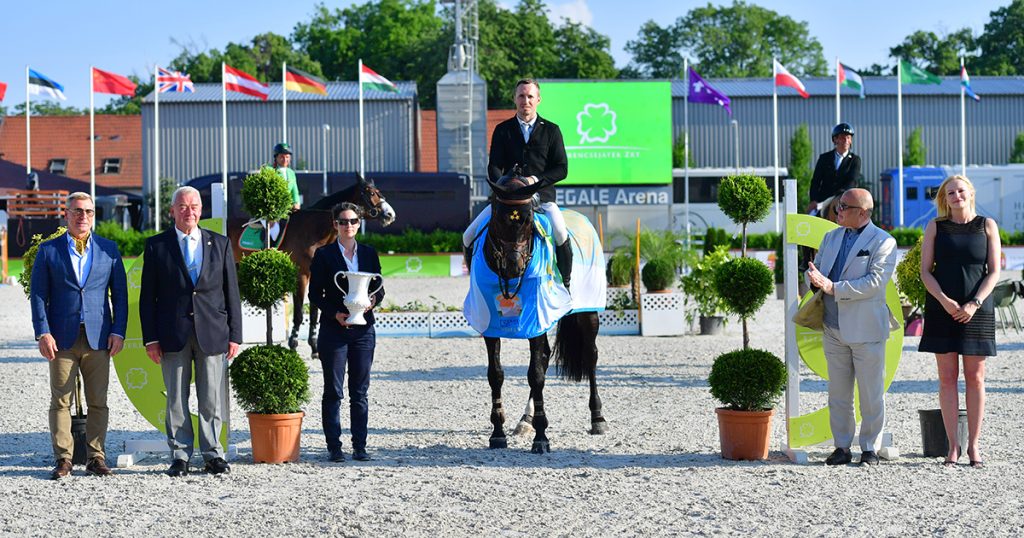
(415, 265)
(615, 132)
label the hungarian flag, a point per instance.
(850, 78)
(301, 81)
(784, 78)
(3, 90)
(370, 80)
(40, 84)
(965, 81)
(106, 82)
(912, 74)
(242, 82)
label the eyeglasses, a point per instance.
(342, 222)
(842, 206)
(78, 212)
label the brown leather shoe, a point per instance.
(98, 467)
(62, 469)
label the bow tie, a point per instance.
(81, 244)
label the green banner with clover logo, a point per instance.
(615, 132)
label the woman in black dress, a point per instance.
(343, 345)
(960, 258)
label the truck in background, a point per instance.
(999, 194)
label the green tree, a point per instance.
(800, 164)
(728, 41)
(1002, 42)
(125, 105)
(1017, 155)
(48, 108)
(400, 39)
(582, 53)
(656, 53)
(940, 55)
(916, 153)
(261, 58)
(679, 153)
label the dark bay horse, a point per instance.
(508, 250)
(309, 229)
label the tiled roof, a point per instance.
(67, 137)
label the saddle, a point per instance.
(254, 235)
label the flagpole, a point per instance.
(686, 149)
(284, 103)
(359, 79)
(963, 123)
(224, 141)
(156, 148)
(838, 69)
(28, 125)
(899, 138)
(775, 139)
(92, 134)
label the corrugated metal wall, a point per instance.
(991, 127)
(190, 136)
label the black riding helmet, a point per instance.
(842, 128)
(282, 147)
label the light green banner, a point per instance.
(404, 265)
(813, 428)
(615, 132)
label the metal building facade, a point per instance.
(190, 130)
(991, 123)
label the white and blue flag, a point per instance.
(39, 84)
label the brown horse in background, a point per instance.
(309, 229)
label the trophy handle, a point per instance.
(342, 273)
(381, 277)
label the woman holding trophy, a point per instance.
(345, 284)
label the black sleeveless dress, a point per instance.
(961, 255)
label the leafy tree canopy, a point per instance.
(939, 55)
(1002, 43)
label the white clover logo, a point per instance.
(413, 264)
(595, 123)
(136, 378)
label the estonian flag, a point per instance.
(39, 84)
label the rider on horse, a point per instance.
(282, 163)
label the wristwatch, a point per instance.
(976, 301)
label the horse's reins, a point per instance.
(503, 283)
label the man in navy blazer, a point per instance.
(191, 317)
(79, 298)
(837, 170)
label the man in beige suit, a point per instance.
(857, 260)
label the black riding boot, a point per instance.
(563, 259)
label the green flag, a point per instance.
(912, 74)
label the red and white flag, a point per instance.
(784, 78)
(242, 82)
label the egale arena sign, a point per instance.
(604, 196)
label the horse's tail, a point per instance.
(576, 346)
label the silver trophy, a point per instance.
(357, 300)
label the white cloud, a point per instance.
(574, 10)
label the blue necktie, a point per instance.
(190, 261)
(527, 129)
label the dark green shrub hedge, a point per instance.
(714, 237)
(270, 380)
(265, 195)
(747, 379)
(413, 240)
(744, 284)
(130, 242)
(744, 198)
(265, 277)
(658, 274)
(908, 276)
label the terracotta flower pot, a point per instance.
(744, 435)
(275, 438)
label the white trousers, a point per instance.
(865, 365)
(554, 214)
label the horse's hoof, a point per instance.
(498, 442)
(598, 427)
(293, 343)
(540, 447)
(523, 428)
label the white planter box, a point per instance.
(618, 323)
(662, 314)
(254, 324)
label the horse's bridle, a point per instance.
(368, 192)
(499, 246)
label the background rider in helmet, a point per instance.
(837, 170)
(282, 163)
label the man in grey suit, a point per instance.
(857, 260)
(191, 318)
(79, 298)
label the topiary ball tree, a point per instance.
(744, 198)
(908, 276)
(744, 284)
(270, 380)
(265, 195)
(658, 274)
(747, 379)
(264, 278)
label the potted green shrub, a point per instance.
(658, 275)
(620, 270)
(908, 282)
(744, 423)
(271, 382)
(702, 300)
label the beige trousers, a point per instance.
(64, 368)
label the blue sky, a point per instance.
(62, 38)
